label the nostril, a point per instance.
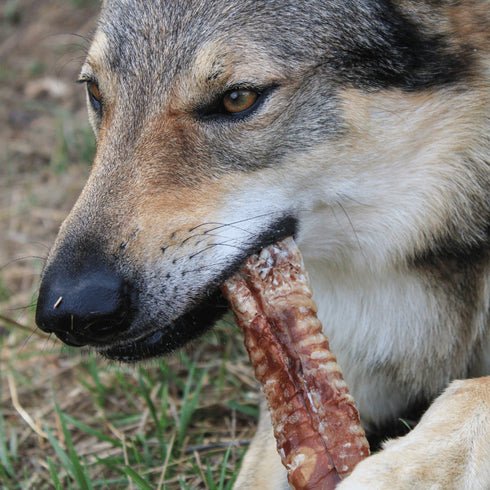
(87, 307)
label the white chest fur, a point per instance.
(386, 332)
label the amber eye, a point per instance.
(239, 100)
(94, 95)
(93, 89)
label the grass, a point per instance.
(72, 421)
(72, 142)
(69, 419)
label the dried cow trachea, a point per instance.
(316, 424)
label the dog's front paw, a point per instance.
(448, 449)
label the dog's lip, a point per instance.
(167, 338)
(158, 341)
(132, 351)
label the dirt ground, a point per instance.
(45, 142)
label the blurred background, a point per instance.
(71, 420)
(46, 145)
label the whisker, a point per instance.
(20, 259)
(349, 198)
(208, 233)
(205, 249)
(16, 324)
(23, 308)
(235, 227)
(233, 223)
(224, 239)
(353, 229)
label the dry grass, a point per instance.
(176, 423)
(69, 420)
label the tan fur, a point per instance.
(471, 23)
(447, 450)
(428, 131)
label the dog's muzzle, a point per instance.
(91, 305)
(85, 298)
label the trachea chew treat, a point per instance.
(316, 424)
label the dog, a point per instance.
(359, 128)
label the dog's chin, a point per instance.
(169, 338)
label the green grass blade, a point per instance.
(60, 452)
(224, 468)
(78, 472)
(94, 432)
(5, 453)
(192, 391)
(137, 479)
(54, 475)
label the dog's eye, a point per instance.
(239, 100)
(94, 95)
(235, 104)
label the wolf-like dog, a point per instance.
(360, 128)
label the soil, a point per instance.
(45, 142)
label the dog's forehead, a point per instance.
(362, 44)
(162, 38)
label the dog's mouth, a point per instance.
(200, 317)
(121, 324)
(169, 338)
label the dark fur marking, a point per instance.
(458, 272)
(397, 54)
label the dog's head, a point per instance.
(223, 127)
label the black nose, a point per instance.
(85, 306)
